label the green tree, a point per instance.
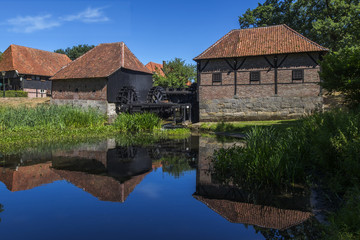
(332, 23)
(177, 74)
(75, 51)
(341, 73)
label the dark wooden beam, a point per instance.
(276, 74)
(241, 64)
(267, 60)
(227, 61)
(311, 57)
(283, 60)
(206, 63)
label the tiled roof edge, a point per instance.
(52, 78)
(305, 38)
(216, 43)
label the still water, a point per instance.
(109, 190)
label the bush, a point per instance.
(137, 122)
(15, 93)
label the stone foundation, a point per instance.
(266, 108)
(101, 105)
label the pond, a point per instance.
(160, 190)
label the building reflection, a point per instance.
(237, 206)
(108, 171)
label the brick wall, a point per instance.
(289, 90)
(82, 89)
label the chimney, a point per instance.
(164, 63)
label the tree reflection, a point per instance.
(1, 209)
(175, 166)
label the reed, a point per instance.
(137, 122)
(49, 117)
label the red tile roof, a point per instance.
(32, 61)
(102, 61)
(279, 39)
(262, 216)
(155, 68)
(105, 188)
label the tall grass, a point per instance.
(137, 122)
(49, 117)
(324, 146)
(270, 160)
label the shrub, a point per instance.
(15, 93)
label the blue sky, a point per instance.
(153, 30)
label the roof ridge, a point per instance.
(12, 57)
(270, 26)
(122, 54)
(73, 61)
(37, 49)
(305, 38)
(216, 43)
(145, 68)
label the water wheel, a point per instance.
(156, 95)
(127, 95)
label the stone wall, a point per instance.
(101, 105)
(258, 100)
(258, 108)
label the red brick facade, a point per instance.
(268, 98)
(209, 90)
(82, 89)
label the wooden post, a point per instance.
(276, 74)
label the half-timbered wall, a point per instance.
(274, 93)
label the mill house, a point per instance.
(259, 73)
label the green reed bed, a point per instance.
(270, 160)
(324, 147)
(137, 122)
(22, 127)
(49, 117)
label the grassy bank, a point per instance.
(324, 147)
(240, 127)
(24, 127)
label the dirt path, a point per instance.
(21, 102)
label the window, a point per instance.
(32, 77)
(37, 78)
(254, 76)
(298, 74)
(216, 78)
(42, 91)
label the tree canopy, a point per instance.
(75, 51)
(332, 23)
(341, 73)
(177, 74)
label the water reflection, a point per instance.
(106, 170)
(111, 171)
(238, 206)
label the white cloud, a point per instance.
(29, 24)
(89, 15)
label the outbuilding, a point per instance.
(29, 69)
(97, 78)
(259, 73)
